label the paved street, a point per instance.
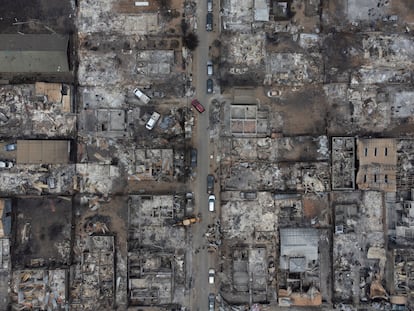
(202, 260)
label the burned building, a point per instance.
(297, 219)
(5, 260)
(93, 280)
(40, 110)
(300, 266)
(154, 164)
(343, 163)
(156, 254)
(246, 117)
(247, 238)
(40, 289)
(402, 287)
(359, 255)
(401, 220)
(303, 210)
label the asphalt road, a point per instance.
(202, 259)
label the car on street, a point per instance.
(211, 274)
(193, 157)
(209, 6)
(211, 202)
(211, 301)
(196, 104)
(152, 120)
(210, 183)
(209, 23)
(209, 86)
(190, 202)
(209, 68)
(10, 147)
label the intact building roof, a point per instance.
(33, 53)
(377, 150)
(43, 151)
(377, 164)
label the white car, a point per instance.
(211, 202)
(153, 120)
(209, 6)
(209, 68)
(272, 94)
(211, 274)
(144, 98)
(6, 164)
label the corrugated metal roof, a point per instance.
(33, 53)
(299, 242)
(32, 42)
(43, 151)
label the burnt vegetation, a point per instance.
(190, 39)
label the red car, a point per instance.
(196, 104)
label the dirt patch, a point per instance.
(42, 232)
(316, 208)
(334, 13)
(46, 16)
(109, 218)
(338, 54)
(304, 111)
(404, 9)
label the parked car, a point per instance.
(210, 68)
(153, 120)
(211, 274)
(209, 86)
(6, 164)
(273, 93)
(193, 157)
(209, 22)
(209, 6)
(210, 183)
(144, 98)
(190, 202)
(211, 301)
(196, 104)
(10, 147)
(211, 202)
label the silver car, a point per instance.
(210, 68)
(152, 120)
(211, 300)
(211, 202)
(209, 6)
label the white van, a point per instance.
(153, 120)
(142, 97)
